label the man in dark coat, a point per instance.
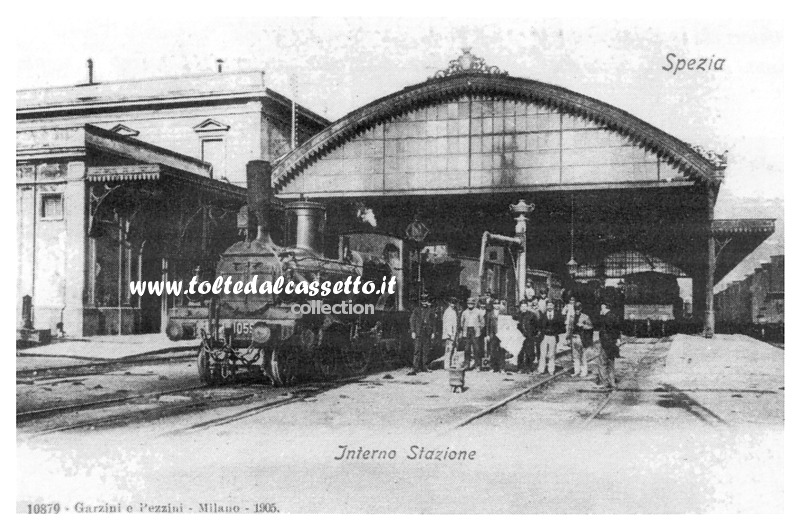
(580, 333)
(496, 357)
(609, 327)
(423, 325)
(527, 326)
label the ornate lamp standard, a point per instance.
(522, 210)
(572, 265)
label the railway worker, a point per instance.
(471, 326)
(483, 308)
(423, 321)
(552, 326)
(496, 359)
(449, 332)
(528, 327)
(581, 340)
(533, 308)
(609, 327)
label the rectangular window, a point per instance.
(213, 152)
(52, 206)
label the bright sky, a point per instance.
(342, 64)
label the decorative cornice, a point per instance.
(739, 226)
(123, 173)
(468, 63)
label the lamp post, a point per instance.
(572, 265)
(522, 210)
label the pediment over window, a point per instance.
(124, 130)
(211, 126)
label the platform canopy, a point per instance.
(736, 239)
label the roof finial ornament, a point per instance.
(718, 160)
(468, 63)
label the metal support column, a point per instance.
(708, 332)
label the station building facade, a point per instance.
(135, 180)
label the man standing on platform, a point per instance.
(422, 332)
(580, 340)
(496, 359)
(552, 326)
(449, 332)
(609, 346)
(471, 326)
(533, 308)
(527, 326)
(482, 346)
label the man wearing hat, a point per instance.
(471, 326)
(552, 326)
(527, 326)
(493, 349)
(422, 323)
(449, 331)
(580, 333)
(610, 334)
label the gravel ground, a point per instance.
(673, 439)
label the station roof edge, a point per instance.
(688, 159)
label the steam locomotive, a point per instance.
(267, 336)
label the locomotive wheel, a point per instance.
(279, 369)
(358, 360)
(203, 365)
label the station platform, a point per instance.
(70, 352)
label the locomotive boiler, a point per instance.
(286, 338)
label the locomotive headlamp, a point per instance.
(260, 334)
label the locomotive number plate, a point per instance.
(242, 328)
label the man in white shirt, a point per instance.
(449, 332)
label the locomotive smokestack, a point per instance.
(309, 217)
(259, 194)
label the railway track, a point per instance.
(151, 411)
(560, 371)
(32, 375)
(301, 394)
(27, 415)
(677, 396)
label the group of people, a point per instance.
(538, 321)
(475, 327)
(543, 327)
